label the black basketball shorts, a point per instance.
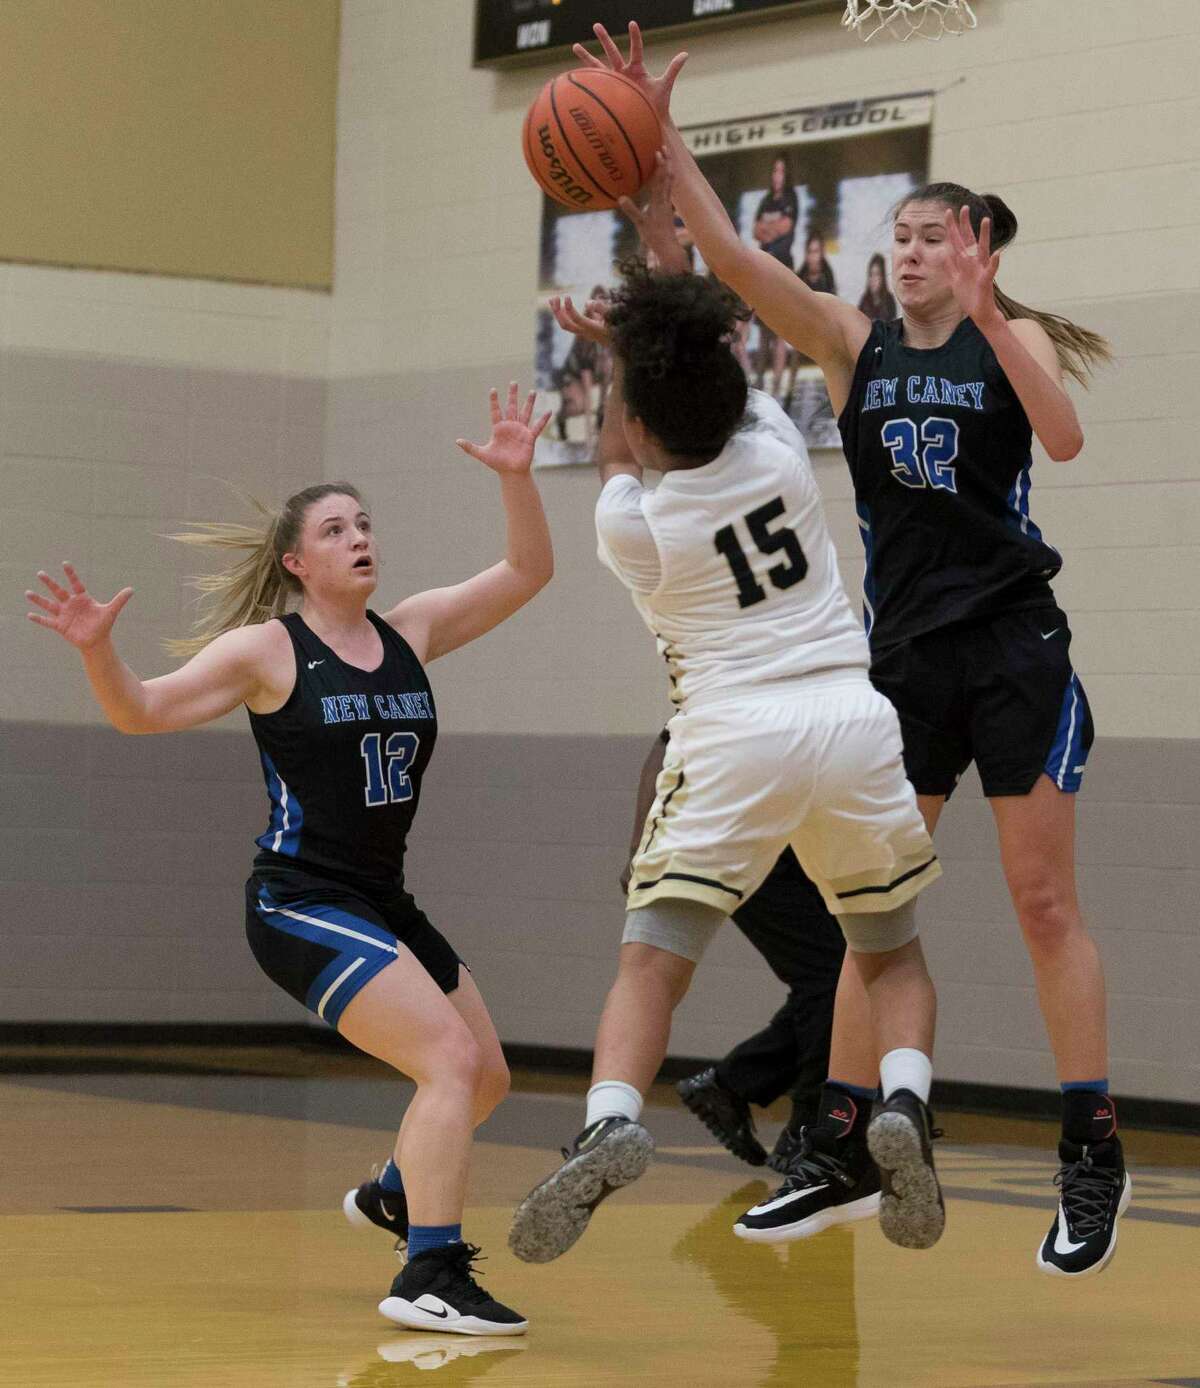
(322, 941)
(1001, 693)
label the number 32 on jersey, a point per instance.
(922, 458)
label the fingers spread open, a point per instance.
(511, 409)
(584, 56)
(494, 404)
(73, 578)
(541, 424)
(44, 603)
(59, 592)
(672, 72)
(469, 448)
(527, 410)
(611, 51)
(635, 43)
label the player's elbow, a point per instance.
(1066, 447)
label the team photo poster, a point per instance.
(813, 187)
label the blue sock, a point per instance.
(867, 1096)
(390, 1178)
(423, 1237)
(1092, 1086)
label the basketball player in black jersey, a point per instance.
(937, 411)
(345, 723)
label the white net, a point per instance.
(928, 19)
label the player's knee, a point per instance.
(880, 932)
(1047, 914)
(651, 968)
(494, 1084)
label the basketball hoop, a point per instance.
(929, 19)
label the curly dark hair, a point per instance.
(673, 334)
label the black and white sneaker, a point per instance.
(371, 1204)
(725, 1114)
(437, 1291)
(1094, 1192)
(828, 1183)
(787, 1148)
(911, 1211)
(609, 1154)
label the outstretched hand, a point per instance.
(971, 266)
(656, 89)
(654, 219)
(75, 614)
(591, 324)
(510, 449)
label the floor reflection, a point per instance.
(802, 1293)
(467, 1357)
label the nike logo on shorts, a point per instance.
(1046, 635)
(312, 664)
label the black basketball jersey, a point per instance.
(939, 450)
(343, 760)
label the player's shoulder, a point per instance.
(765, 418)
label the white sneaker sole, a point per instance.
(866, 1208)
(412, 1317)
(1101, 1263)
(912, 1214)
(555, 1213)
(353, 1213)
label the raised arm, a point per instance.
(821, 326)
(1022, 346)
(224, 674)
(442, 619)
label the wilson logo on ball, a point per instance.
(590, 138)
(565, 189)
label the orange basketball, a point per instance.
(590, 138)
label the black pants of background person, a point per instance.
(787, 923)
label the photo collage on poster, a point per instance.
(812, 187)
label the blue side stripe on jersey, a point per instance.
(287, 814)
(1064, 764)
(1018, 503)
(363, 948)
(868, 539)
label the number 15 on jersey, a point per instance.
(768, 541)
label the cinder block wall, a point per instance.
(121, 859)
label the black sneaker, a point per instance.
(603, 1158)
(371, 1204)
(787, 1148)
(911, 1211)
(437, 1291)
(725, 1114)
(1094, 1192)
(828, 1183)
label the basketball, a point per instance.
(590, 138)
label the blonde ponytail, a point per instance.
(257, 587)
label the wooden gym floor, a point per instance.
(173, 1218)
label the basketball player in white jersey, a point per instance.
(778, 738)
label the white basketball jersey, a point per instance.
(749, 592)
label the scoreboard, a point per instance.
(510, 31)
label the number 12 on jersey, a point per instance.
(768, 541)
(386, 769)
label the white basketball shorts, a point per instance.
(817, 764)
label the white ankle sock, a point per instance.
(612, 1099)
(905, 1068)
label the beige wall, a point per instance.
(1082, 113)
(194, 137)
(121, 396)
